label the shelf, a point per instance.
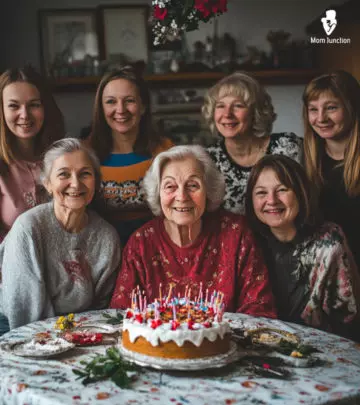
(192, 79)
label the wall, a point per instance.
(247, 20)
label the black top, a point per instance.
(289, 288)
(338, 207)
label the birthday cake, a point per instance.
(177, 328)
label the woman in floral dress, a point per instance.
(312, 270)
(240, 110)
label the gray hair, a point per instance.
(62, 147)
(253, 95)
(213, 179)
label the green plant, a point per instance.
(111, 365)
(113, 320)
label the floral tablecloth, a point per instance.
(51, 381)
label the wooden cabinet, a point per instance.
(191, 79)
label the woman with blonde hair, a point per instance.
(240, 110)
(331, 115)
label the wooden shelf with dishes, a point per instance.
(191, 79)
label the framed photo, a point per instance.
(67, 36)
(124, 33)
(184, 128)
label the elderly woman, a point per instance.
(191, 242)
(60, 256)
(240, 110)
(312, 271)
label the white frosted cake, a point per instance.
(176, 329)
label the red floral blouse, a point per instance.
(224, 258)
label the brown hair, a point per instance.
(292, 175)
(101, 138)
(254, 96)
(53, 127)
(347, 89)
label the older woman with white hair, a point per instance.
(191, 242)
(60, 256)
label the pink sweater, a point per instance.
(20, 190)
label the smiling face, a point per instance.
(182, 192)
(327, 116)
(275, 205)
(23, 110)
(231, 116)
(72, 181)
(122, 107)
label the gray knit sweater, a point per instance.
(47, 271)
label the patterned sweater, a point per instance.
(47, 271)
(123, 203)
(224, 257)
(236, 176)
(326, 270)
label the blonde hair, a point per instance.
(347, 89)
(254, 96)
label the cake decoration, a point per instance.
(176, 327)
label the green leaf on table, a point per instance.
(112, 366)
(113, 320)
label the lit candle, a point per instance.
(140, 302)
(186, 290)
(132, 299)
(200, 292)
(206, 296)
(174, 310)
(160, 294)
(156, 310)
(169, 295)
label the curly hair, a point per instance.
(254, 96)
(214, 180)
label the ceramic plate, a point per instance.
(32, 348)
(92, 327)
(184, 364)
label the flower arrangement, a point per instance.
(172, 17)
(65, 322)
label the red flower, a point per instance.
(139, 318)
(156, 323)
(160, 13)
(129, 314)
(190, 323)
(207, 7)
(207, 324)
(174, 325)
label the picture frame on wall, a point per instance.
(184, 128)
(123, 33)
(67, 36)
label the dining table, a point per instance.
(333, 379)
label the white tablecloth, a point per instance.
(51, 381)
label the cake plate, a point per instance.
(184, 364)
